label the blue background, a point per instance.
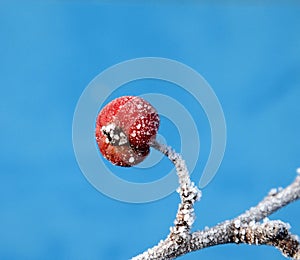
(50, 51)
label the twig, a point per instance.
(246, 228)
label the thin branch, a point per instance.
(245, 228)
(188, 193)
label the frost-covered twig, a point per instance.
(246, 228)
(188, 192)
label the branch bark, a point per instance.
(251, 227)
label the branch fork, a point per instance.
(252, 227)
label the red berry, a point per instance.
(125, 127)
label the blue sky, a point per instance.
(50, 51)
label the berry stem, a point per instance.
(188, 193)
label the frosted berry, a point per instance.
(124, 129)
